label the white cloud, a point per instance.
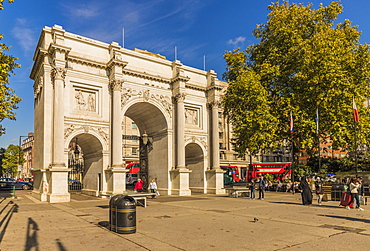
(237, 41)
(83, 11)
(26, 36)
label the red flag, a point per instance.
(355, 112)
(291, 125)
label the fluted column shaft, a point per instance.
(58, 75)
(116, 138)
(180, 134)
(215, 136)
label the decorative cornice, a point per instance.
(147, 76)
(39, 60)
(180, 79)
(195, 87)
(116, 61)
(82, 61)
(59, 48)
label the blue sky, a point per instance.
(195, 27)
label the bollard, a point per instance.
(13, 193)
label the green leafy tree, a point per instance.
(13, 157)
(303, 63)
(2, 3)
(8, 99)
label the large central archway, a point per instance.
(151, 120)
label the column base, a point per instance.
(180, 181)
(215, 181)
(117, 180)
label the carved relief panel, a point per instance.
(85, 99)
(193, 116)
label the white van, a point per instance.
(131, 178)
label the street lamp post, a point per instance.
(145, 147)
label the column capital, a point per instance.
(214, 104)
(58, 73)
(179, 98)
(115, 84)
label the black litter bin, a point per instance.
(112, 211)
(123, 214)
(336, 192)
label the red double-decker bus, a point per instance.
(280, 170)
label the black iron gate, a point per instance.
(75, 175)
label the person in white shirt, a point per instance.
(153, 187)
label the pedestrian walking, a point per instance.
(288, 186)
(319, 190)
(354, 186)
(279, 186)
(361, 190)
(305, 191)
(262, 187)
(153, 188)
(139, 186)
(252, 189)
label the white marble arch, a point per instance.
(96, 159)
(151, 118)
(84, 87)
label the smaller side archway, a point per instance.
(194, 160)
(91, 151)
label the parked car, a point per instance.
(74, 185)
(9, 183)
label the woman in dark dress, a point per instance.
(305, 190)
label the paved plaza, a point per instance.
(198, 222)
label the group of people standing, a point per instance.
(260, 185)
(355, 193)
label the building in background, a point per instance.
(28, 150)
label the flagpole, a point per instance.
(356, 159)
(291, 124)
(356, 119)
(293, 190)
(318, 136)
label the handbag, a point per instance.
(157, 193)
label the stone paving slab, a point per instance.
(200, 222)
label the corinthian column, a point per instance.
(180, 115)
(116, 137)
(215, 137)
(57, 76)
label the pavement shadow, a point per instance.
(31, 238)
(345, 218)
(104, 224)
(286, 203)
(60, 245)
(5, 221)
